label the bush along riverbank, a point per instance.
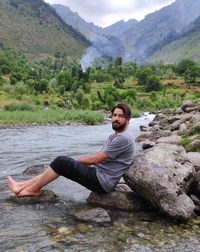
(50, 116)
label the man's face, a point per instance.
(119, 121)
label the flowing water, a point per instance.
(37, 227)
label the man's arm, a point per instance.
(93, 159)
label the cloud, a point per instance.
(104, 12)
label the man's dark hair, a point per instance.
(125, 108)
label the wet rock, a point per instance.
(159, 177)
(147, 144)
(140, 235)
(65, 230)
(83, 228)
(194, 158)
(117, 200)
(144, 128)
(96, 215)
(47, 196)
(35, 170)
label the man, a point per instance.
(99, 172)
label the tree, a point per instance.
(142, 75)
(153, 83)
(188, 69)
(64, 78)
(118, 61)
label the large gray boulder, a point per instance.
(162, 175)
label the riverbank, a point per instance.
(50, 117)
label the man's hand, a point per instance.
(93, 159)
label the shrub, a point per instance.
(153, 83)
(18, 107)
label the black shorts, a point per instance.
(78, 172)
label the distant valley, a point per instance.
(165, 36)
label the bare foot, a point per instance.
(26, 192)
(16, 187)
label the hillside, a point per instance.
(103, 45)
(71, 18)
(187, 47)
(34, 28)
(157, 27)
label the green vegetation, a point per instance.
(51, 116)
(47, 88)
(34, 28)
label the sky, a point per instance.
(106, 12)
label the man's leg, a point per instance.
(32, 187)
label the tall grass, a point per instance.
(51, 116)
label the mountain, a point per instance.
(103, 45)
(71, 18)
(34, 28)
(158, 27)
(186, 45)
(120, 27)
(168, 31)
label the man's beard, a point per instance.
(118, 126)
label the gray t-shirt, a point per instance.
(120, 149)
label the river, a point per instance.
(35, 227)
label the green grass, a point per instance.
(51, 116)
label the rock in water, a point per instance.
(128, 201)
(47, 196)
(162, 175)
(96, 215)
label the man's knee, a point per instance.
(60, 163)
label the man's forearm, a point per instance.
(93, 159)
(87, 160)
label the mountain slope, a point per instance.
(71, 18)
(34, 28)
(186, 45)
(158, 26)
(120, 27)
(102, 45)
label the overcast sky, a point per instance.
(107, 12)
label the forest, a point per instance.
(60, 82)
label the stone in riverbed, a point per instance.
(47, 196)
(95, 215)
(35, 170)
(121, 200)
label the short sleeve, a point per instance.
(115, 147)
